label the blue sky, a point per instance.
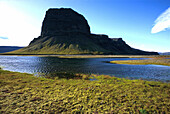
(133, 20)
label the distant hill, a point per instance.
(65, 31)
(4, 49)
(166, 53)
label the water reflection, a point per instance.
(47, 65)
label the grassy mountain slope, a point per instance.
(62, 45)
(79, 44)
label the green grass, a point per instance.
(60, 45)
(155, 61)
(75, 93)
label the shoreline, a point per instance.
(90, 56)
(153, 61)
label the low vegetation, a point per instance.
(89, 56)
(80, 93)
(155, 61)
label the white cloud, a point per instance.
(162, 22)
(17, 26)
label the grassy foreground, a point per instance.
(25, 93)
(155, 61)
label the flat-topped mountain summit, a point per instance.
(63, 21)
(65, 31)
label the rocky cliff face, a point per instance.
(64, 21)
(65, 31)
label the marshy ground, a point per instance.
(155, 61)
(75, 93)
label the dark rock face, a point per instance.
(65, 31)
(63, 21)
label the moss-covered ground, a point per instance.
(25, 93)
(155, 61)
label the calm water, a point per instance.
(32, 64)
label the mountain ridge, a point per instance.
(164, 53)
(4, 49)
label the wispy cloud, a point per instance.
(162, 22)
(1, 37)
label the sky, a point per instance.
(143, 24)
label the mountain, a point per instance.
(165, 53)
(65, 31)
(4, 49)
